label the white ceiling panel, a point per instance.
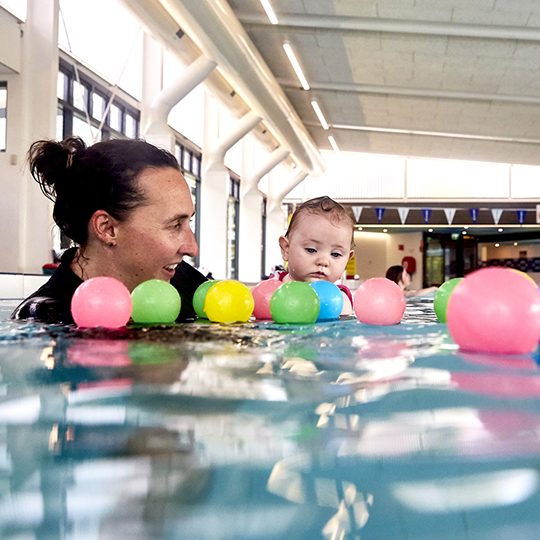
(458, 78)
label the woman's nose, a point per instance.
(189, 245)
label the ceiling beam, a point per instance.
(410, 92)
(395, 131)
(370, 24)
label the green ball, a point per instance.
(295, 302)
(200, 296)
(440, 302)
(155, 302)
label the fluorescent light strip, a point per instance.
(296, 66)
(334, 144)
(269, 11)
(320, 115)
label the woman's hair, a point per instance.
(395, 273)
(80, 179)
(325, 207)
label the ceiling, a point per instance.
(452, 79)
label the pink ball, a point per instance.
(379, 301)
(101, 301)
(495, 310)
(262, 293)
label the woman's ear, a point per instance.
(104, 226)
(284, 245)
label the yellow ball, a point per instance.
(228, 302)
(524, 274)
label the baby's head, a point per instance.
(319, 240)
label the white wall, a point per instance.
(488, 251)
(370, 253)
(411, 243)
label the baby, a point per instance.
(318, 244)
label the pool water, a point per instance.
(331, 431)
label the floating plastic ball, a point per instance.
(228, 302)
(200, 296)
(331, 300)
(155, 302)
(101, 301)
(295, 302)
(495, 310)
(440, 302)
(380, 302)
(262, 294)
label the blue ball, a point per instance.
(331, 300)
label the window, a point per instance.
(263, 237)
(3, 116)
(233, 217)
(85, 102)
(191, 169)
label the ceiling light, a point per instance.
(496, 245)
(359, 228)
(334, 145)
(500, 230)
(430, 230)
(466, 227)
(385, 230)
(320, 115)
(296, 66)
(463, 232)
(269, 11)
(515, 243)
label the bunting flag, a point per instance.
(426, 212)
(474, 214)
(496, 213)
(450, 213)
(521, 216)
(357, 212)
(403, 213)
(380, 213)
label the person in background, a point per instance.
(318, 244)
(399, 275)
(126, 207)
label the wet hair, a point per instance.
(395, 273)
(325, 207)
(80, 179)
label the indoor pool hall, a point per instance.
(269, 269)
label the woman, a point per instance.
(127, 207)
(399, 275)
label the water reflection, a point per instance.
(334, 431)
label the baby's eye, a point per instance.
(311, 250)
(336, 255)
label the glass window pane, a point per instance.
(187, 161)
(196, 166)
(98, 106)
(59, 124)
(88, 134)
(115, 118)
(3, 117)
(61, 86)
(178, 153)
(131, 126)
(80, 96)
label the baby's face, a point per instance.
(317, 249)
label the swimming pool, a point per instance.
(332, 431)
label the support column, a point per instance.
(157, 130)
(276, 220)
(38, 118)
(215, 187)
(249, 250)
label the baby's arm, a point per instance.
(347, 300)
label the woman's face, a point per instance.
(155, 237)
